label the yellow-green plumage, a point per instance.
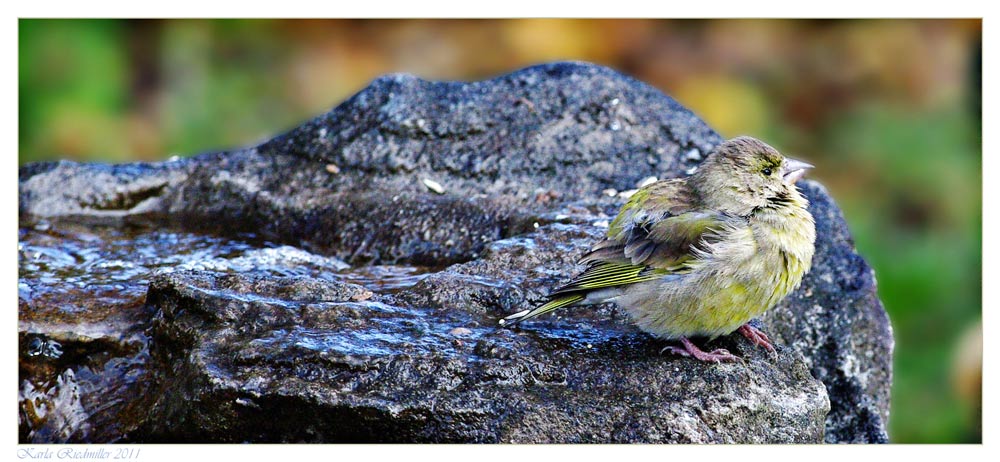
(703, 255)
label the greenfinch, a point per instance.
(701, 256)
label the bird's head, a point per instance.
(744, 175)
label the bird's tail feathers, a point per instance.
(554, 304)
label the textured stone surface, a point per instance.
(303, 367)
(523, 161)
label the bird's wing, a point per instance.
(664, 241)
(607, 274)
(654, 235)
(656, 227)
(665, 197)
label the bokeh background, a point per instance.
(888, 110)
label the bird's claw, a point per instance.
(690, 350)
(757, 337)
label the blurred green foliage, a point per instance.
(888, 110)
(923, 236)
(73, 84)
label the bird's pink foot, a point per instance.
(756, 336)
(690, 350)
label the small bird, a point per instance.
(701, 256)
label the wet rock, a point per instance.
(245, 351)
(83, 322)
(82, 378)
(260, 367)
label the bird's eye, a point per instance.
(766, 171)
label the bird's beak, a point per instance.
(793, 170)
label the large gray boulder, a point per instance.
(494, 189)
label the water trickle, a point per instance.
(65, 256)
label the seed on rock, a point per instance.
(333, 168)
(433, 185)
